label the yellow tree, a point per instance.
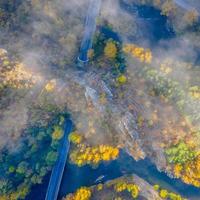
(168, 8)
(110, 50)
(82, 193)
(58, 133)
(191, 17)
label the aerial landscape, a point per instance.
(99, 99)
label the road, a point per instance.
(57, 172)
(186, 5)
(90, 27)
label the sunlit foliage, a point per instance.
(168, 8)
(165, 67)
(58, 133)
(130, 187)
(180, 154)
(75, 138)
(186, 163)
(110, 50)
(194, 92)
(90, 53)
(143, 55)
(99, 187)
(165, 194)
(170, 89)
(121, 79)
(156, 187)
(93, 155)
(189, 172)
(50, 86)
(15, 74)
(116, 188)
(183, 158)
(82, 193)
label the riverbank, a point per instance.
(74, 177)
(124, 165)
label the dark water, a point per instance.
(86, 176)
(109, 33)
(152, 26)
(38, 192)
(75, 177)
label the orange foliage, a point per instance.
(189, 172)
(93, 155)
(83, 193)
(110, 50)
(50, 86)
(144, 55)
(15, 74)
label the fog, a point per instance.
(54, 36)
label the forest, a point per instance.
(139, 93)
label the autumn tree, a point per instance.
(57, 133)
(84, 154)
(168, 8)
(110, 50)
(75, 138)
(130, 187)
(143, 55)
(82, 193)
(121, 79)
(191, 17)
(15, 74)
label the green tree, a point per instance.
(180, 154)
(22, 167)
(11, 169)
(51, 157)
(36, 179)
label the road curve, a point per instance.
(57, 172)
(90, 27)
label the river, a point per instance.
(86, 176)
(75, 177)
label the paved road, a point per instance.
(183, 4)
(57, 172)
(90, 27)
(186, 5)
